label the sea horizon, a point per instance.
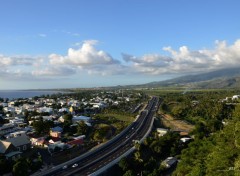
(15, 94)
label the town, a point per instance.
(49, 130)
(41, 133)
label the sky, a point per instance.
(94, 43)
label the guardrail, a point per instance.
(74, 160)
(109, 165)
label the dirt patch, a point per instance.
(176, 125)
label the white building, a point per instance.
(7, 128)
(162, 131)
(4, 104)
(16, 120)
(63, 109)
(45, 109)
(235, 97)
(169, 162)
(86, 119)
(9, 109)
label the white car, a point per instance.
(65, 167)
(75, 165)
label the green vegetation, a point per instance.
(42, 127)
(116, 118)
(215, 155)
(215, 149)
(147, 158)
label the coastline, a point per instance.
(15, 94)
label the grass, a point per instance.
(165, 90)
(175, 124)
(117, 117)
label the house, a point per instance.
(54, 140)
(162, 131)
(47, 118)
(16, 120)
(4, 104)
(7, 128)
(29, 107)
(54, 147)
(76, 119)
(21, 141)
(61, 119)
(55, 134)
(45, 109)
(64, 110)
(39, 141)
(99, 105)
(77, 140)
(169, 162)
(9, 109)
(8, 151)
(11, 103)
(19, 110)
(15, 134)
(185, 139)
(235, 97)
(57, 129)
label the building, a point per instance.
(162, 131)
(45, 109)
(39, 142)
(169, 162)
(235, 97)
(77, 140)
(7, 128)
(8, 150)
(55, 134)
(76, 119)
(185, 139)
(20, 140)
(16, 120)
(57, 129)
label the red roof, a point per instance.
(75, 142)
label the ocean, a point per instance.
(14, 94)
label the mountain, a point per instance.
(224, 78)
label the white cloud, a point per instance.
(16, 60)
(54, 71)
(184, 61)
(88, 59)
(87, 55)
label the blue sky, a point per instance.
(77, 43)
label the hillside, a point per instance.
(225, 78)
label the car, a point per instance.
(75, 165)
(65, 167)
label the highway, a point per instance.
(98, 158)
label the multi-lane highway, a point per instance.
(95, 160)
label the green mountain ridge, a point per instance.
(225, 78)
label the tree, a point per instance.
(42, 127)
(137, 145)
(123, 163)
(129, 173)
(67, 118)
(82, 127)
(151, 164)
(21, 168)
(138, 157)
